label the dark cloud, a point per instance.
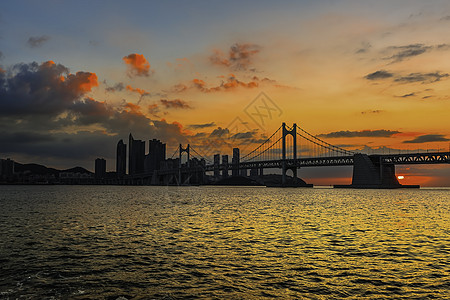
(428, 138)
(42, 89)
(422, 77)
(412, 77)
(407, 95)
(446, 18)
(37, 41)
(244, 135)
(381, 74)
(41, 104)
(201, 126)
(375, 111)
(403, 52)
(115, 88)
(363, 133)
(1, 55)
(219, 132)
(176, 103)
(239, 56)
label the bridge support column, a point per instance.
(370, 173)
(285, 167)
(181, 150)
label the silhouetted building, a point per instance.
(156, 155)
(136, 156)
(216, 166)
(6, 168)
(100, 168)
(121, 159)
(225, 166)
(243, 172)
(235, 162)
(254, 172)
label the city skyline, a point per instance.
(361, 75)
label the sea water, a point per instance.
(136, 242)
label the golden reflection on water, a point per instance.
(225, 243)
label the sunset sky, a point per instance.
(78, 76)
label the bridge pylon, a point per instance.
(181, 150)
(285, 166)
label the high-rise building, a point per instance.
(235, 162)
(6, 168)
(225, 166)
(100, 168)
(216, 166)
(156, 155)
(121, 159)
(136, 156)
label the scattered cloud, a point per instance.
(412, 77)
(407, 95)
(37, 41)
(381, 74)
(374, 111)
(403, 52)
(115, 88)
(239, 56)
(219, 132)
(428, 138)
(201, 126)
(422, 77)
(137, 65)
(362, 133)
(230, 83)
(176, 103)
(365, 46)
(137, 90)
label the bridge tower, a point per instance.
(181, 150)
(285, 166)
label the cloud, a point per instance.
(403, 52)
(37, 41)
(141, 92)
(428, 138)
(201, 126)
(375, 111)
(176, 103)
(365, 46)
(45, 88)
(137, 65)
(446, 18)
(407, 95)
(239, 56)
(363, 133)
(230, 83)
(422, 77)
(219, 132)
(412, 77)
(381, 74)
(115, 88)
(1, 55)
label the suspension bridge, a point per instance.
(289, 148)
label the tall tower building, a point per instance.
(121, 159)
(156, 155)
(100, 168)
(235, 162)
(136, 156)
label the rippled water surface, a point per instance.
(112, 242)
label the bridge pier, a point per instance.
(369, 172)
(293, 133)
